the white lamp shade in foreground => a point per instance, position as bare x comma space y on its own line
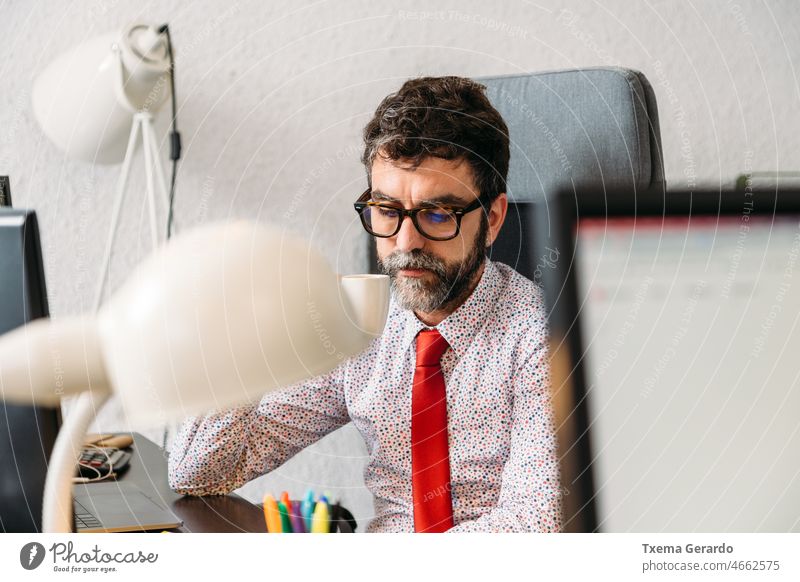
215, 318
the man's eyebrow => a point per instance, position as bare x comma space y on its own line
447, 199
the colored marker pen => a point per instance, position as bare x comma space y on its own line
286, 524
307, 509
271, 514
286, 500
298, 523
319, 522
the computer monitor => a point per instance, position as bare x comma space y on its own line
27, 434
675, 343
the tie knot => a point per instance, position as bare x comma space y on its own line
430, 347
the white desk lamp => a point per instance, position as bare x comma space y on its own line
215, 318
94, 102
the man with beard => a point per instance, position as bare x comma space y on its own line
453, 398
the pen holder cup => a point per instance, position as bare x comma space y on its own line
341, 519
344, 522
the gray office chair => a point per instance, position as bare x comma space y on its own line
583, 127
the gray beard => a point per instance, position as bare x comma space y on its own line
451, 283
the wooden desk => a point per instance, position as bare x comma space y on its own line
221, 513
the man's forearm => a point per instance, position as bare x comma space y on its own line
207, 455
215, 454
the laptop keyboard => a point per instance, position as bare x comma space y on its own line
83, 518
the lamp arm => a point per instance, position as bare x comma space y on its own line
57, 510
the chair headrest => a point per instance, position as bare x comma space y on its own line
587, 126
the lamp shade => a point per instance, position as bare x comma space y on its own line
85, 98
215, 318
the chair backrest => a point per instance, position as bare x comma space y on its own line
581, 127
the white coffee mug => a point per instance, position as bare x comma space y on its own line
368, 296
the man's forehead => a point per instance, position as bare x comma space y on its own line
429, 163
450, 175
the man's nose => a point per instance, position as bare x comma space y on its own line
408, 237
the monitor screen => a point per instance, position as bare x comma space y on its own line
691, 328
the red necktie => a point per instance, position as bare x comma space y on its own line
430, 455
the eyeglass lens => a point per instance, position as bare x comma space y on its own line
432, 222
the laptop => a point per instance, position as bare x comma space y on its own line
674, 334
119, 507
28, 434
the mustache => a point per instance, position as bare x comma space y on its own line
416, 259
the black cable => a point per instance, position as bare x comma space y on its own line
174, 136
174, 154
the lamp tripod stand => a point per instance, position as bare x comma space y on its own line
154, 174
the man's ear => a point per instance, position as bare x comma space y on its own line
497, 215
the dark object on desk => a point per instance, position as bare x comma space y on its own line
101, 462
5, 192
104, 456
27, 434
342, 521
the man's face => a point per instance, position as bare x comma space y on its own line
433, 276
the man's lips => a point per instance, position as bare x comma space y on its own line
412, 272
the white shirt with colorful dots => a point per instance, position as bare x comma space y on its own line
503, 464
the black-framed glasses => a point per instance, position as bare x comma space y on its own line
437, 222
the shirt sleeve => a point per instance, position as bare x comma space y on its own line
529, 499
217, 453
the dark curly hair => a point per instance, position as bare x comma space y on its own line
445, 117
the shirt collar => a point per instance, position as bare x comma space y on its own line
460, 327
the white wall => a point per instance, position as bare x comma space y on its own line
273, 96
